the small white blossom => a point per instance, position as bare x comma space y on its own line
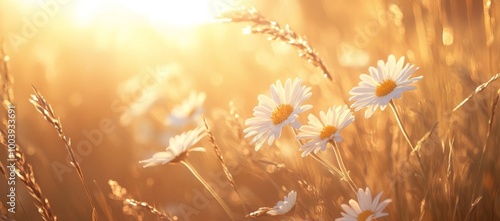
284, 206
277, 111
190, 110
178, 149
386, 82
320, 133
364, 209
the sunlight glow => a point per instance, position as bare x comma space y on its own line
169, 12
173, 12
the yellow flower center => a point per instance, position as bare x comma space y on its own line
364, 215
385, 88
281, 113
327, 132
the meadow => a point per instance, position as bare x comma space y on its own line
207, 110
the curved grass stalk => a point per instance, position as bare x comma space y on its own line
212, 191
225, 168
46, 110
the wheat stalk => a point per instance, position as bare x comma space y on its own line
209, 188
121, 194
237, 125
494, 105
48, 113
25, 173
24, 170
220, 158
478, 89
271, 28
424, 139
7, 80
4, 172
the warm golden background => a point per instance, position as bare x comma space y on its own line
90, 60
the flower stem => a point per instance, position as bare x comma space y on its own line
324, 162
212, 191
345, 172
330, 167
400, 124
327, 164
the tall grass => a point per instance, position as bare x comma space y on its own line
46, 110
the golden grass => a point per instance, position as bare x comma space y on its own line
220, 158
477, 91
120, 193
27, 176
263, 25
46, 110
23, 169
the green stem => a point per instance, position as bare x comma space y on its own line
342, 166
400, 124
405, 134
212, 191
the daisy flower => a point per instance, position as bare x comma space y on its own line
178, 149
320, 133
386, 82
277, 111
365, 209
284, 206
188, 111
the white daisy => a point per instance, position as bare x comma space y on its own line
320, 133
284, 206
386, 82
178, 149
277, 111
365, 209
188, 111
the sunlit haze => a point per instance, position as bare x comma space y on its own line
251, 110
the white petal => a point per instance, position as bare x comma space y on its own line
198, 149
355, 206
349, 210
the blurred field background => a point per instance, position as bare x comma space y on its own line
93, 62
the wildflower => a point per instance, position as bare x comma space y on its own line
188, 111
277, 111
320, 133
284, 206
365, 209
178, 149
386, 82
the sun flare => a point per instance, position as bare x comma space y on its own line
171, 13
177, 13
